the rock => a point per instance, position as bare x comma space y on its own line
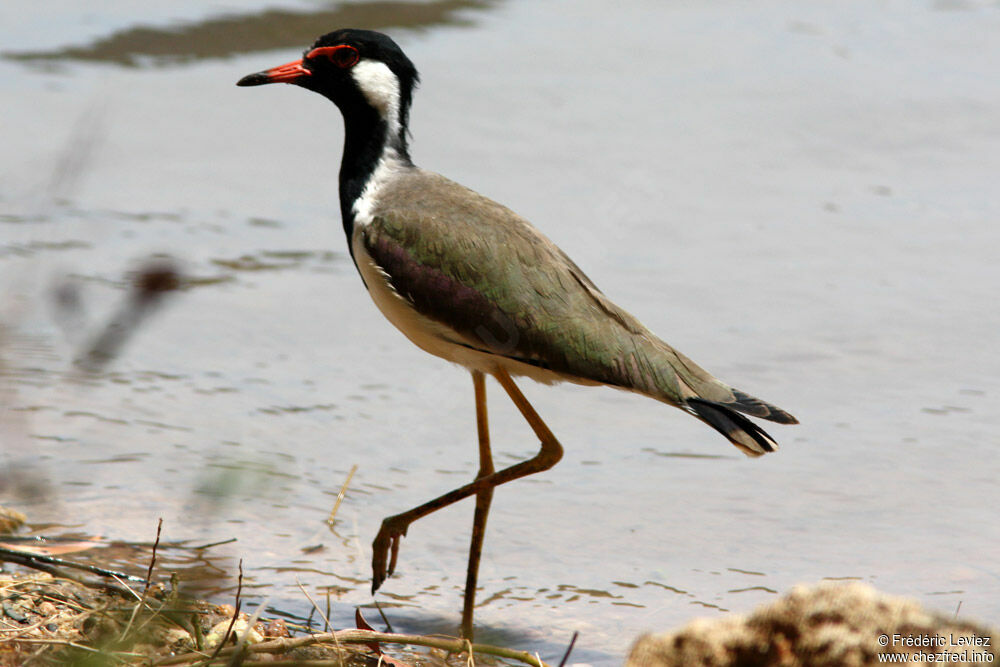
218, 633
10, 520
161, 640
827, 625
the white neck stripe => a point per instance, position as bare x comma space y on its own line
380, 86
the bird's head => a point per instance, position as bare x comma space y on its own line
359, 70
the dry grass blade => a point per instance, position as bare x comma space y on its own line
21, 632
340, 496
325, 617
239, 651
63, 642
469, 660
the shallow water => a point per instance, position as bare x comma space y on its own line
797, 195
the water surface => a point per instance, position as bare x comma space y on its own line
797, 195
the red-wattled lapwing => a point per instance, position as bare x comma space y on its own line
470, 281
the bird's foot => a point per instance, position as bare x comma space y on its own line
385, 551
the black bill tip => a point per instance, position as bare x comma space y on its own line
292, 72
255, 79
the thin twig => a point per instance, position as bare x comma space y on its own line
340, 496
385, 619
326, 626
66, 642
152, 559
149, 578
451, 645
232, 621
569, 649
213, 544
37, 561
64, 600
305, 663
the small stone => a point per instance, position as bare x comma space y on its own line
14, 611
10, 520
217, 634
277, 628
46, 608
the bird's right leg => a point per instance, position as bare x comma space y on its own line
483, 500
385, 548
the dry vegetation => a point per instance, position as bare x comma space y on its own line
57, 617
51, 620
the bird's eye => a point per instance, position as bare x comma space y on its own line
342, 56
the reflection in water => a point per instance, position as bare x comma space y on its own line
753, 588
272, 29
685, 455
201, 571
274, 260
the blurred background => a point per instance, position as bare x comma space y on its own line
798, 195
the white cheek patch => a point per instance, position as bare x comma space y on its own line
380, 87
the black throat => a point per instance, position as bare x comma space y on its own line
367, 139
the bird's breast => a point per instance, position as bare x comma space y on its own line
426, 333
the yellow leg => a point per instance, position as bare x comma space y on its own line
483, 499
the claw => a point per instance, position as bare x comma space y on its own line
385, 547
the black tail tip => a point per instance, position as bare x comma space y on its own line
749, 438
